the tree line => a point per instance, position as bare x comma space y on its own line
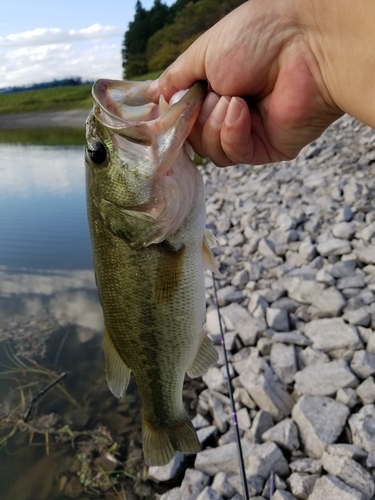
156, 37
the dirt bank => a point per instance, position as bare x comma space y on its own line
45, 119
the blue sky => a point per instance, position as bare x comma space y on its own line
45, 39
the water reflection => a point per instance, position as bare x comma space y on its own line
80, 441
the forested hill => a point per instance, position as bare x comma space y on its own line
157, 36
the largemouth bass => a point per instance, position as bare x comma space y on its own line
146, 211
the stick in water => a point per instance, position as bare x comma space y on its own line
230, 388
41, 394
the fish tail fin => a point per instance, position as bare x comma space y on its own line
161, 443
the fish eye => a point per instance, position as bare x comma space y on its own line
97, 153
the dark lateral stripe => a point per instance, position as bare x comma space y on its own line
169, 271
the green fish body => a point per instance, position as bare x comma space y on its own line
146, 211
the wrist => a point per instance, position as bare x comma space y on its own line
341, 36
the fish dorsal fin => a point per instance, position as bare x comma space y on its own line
208, 258
118, 373
163, 105
206, 356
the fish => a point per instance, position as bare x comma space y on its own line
146, 213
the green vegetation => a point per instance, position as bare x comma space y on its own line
59, 136
158, 36
54, 98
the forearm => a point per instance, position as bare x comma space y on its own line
341, 35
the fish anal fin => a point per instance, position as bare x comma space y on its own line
161, 443
118, 373
206, 356
208, 258
169, 271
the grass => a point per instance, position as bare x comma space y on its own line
51, 99
55, 98
60, 136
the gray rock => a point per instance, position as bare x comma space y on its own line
344, 214
304, 291
212, 322
234, 315
332, 334
218, 412
311, 356
363, 364
250, 330
243, 419
209, 494
362, 426
284, 434
324, 379
215, 380
366, 391
308, 465
323, 276
264, 388
343, 230
171, 471
261, 423
286, 222
276, 483
349, 471
283, 362
330, 487
272, 294
295, 338
277, 319
254, 484
283, 495
365, 253
241, 278
328, 304
174, 494
307, 250
264, 459
222, 486
266, 248
193, 483
342, 268
242, 396
355, 280
223, 458
257, 302
346, 450
199, 421
302, 484
207, 434
348, 397
286, 303
359, 317
320, 421
334, 246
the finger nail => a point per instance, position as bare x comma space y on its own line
153, 88
207, 107
234, 111
218, 114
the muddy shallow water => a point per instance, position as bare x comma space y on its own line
79, 441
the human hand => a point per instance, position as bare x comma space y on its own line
268, 99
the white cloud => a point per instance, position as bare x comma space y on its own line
47, 36
46, 54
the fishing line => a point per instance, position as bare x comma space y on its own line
230, 389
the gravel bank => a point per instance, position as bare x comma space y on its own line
296, 247
45, 119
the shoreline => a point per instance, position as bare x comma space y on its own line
74, 118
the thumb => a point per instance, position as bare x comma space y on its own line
182, 73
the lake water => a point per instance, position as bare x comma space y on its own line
79, 441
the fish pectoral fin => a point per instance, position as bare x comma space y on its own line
118, 373
161, 443
208, 258
206, 356
135, 228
